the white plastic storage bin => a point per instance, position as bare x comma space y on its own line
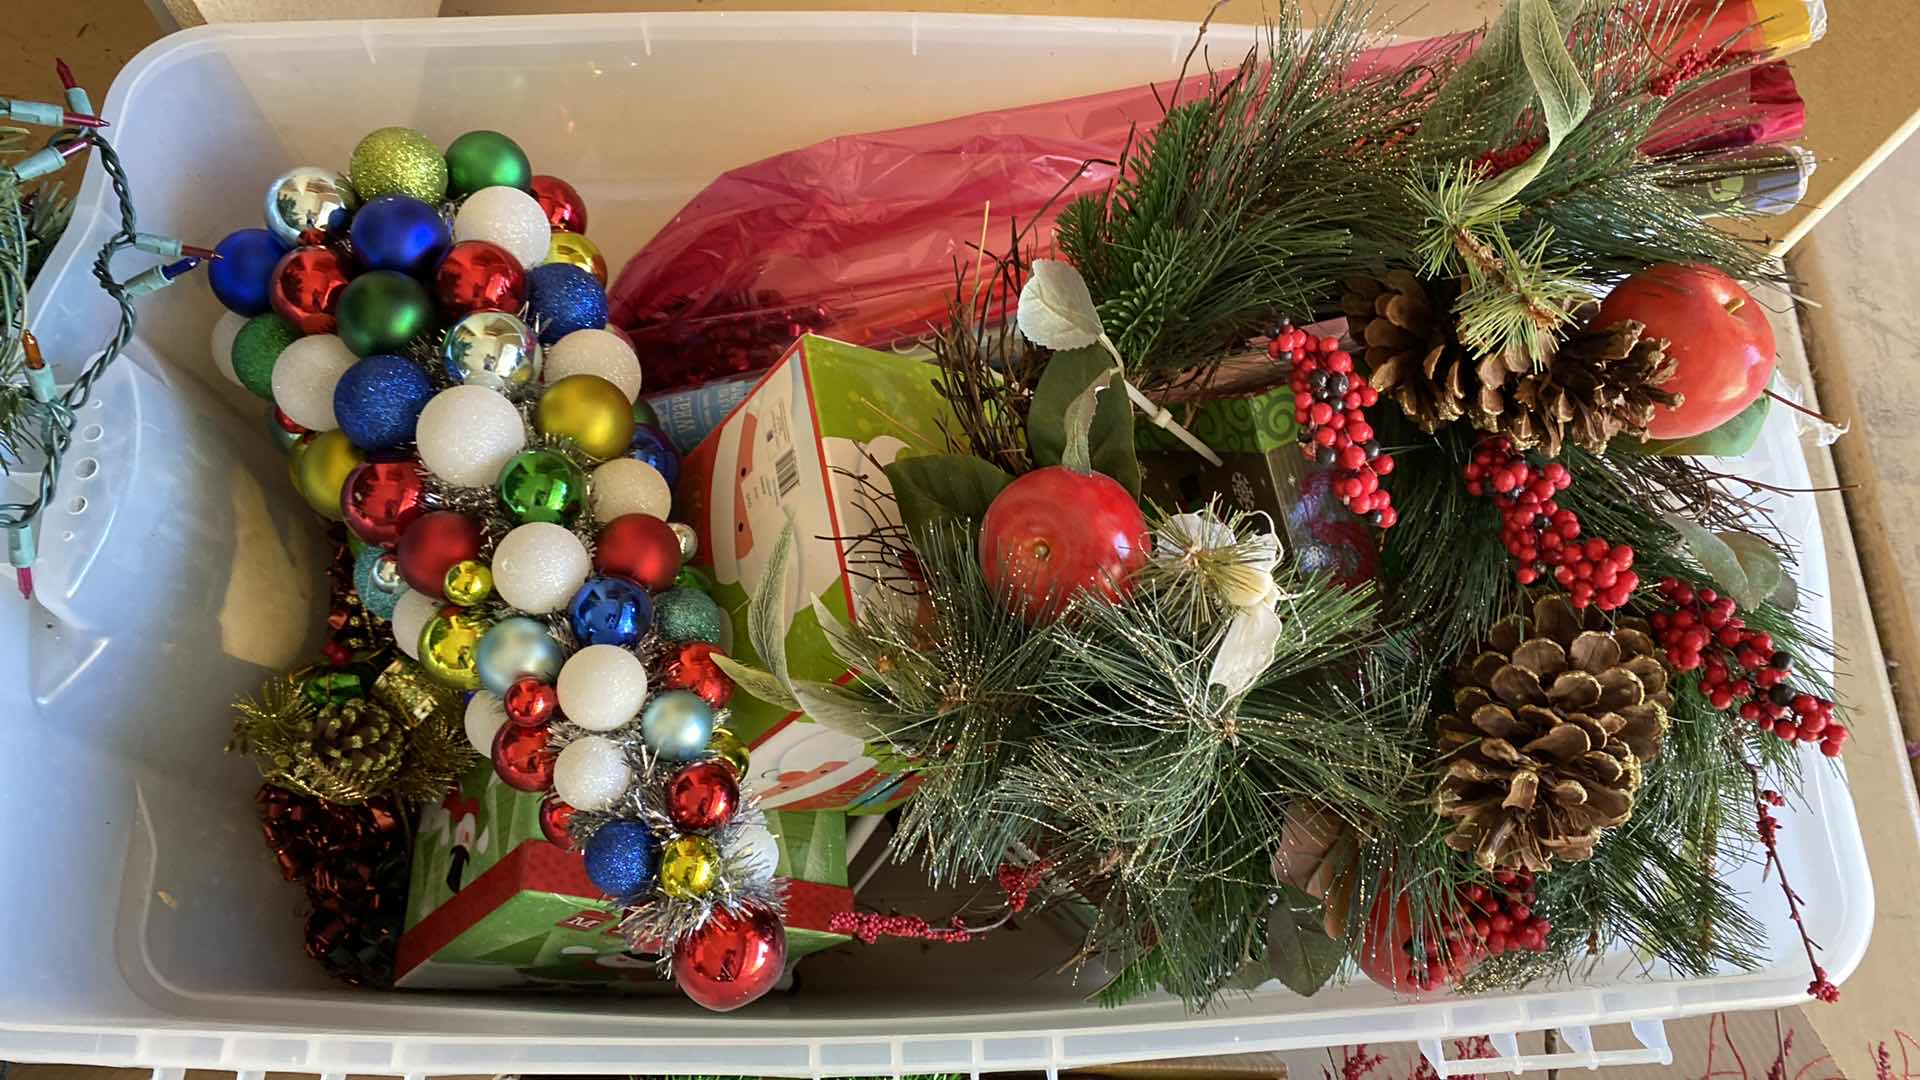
144, 921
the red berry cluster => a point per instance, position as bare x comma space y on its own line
1488, 921
1328, 396
1738, 663
1544, 538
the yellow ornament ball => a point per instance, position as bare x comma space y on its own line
575, 250
450, 648
320, 470
398, 161
589, 410
730, 749
689, 865
468, 582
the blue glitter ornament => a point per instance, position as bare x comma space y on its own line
685, 615
652, 446
610, 611
377, 581
378, 400
398, 232
241, 273
677, 725
515, 648
622, 859
563, 298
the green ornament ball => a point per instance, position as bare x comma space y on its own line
542, 485
643, 414
398, 161
684, 615
256, 348
692, 577
481, 159
383, 310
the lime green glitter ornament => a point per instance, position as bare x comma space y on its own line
398, 161
481, 159
255, 349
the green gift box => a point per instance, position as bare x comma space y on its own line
491, 904
1241, 425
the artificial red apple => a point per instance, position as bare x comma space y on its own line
1055, 532
1715, 331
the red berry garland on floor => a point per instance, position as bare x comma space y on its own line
1328, 396
1739, 664
1542, 536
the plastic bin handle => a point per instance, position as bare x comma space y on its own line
1653, 1050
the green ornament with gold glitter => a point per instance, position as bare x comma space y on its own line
398, 161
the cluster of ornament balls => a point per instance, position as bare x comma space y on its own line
1328, 399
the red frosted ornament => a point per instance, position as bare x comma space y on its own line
305, 288
566, 211
476, 275
732, 960
381, 498
640, 548
1055, 532
692, 668
556, 823
522, 759
703, 796
432, 544
530, 702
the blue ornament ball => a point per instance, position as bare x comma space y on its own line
563, 298
514, 648
622, 859
652, 446
685, 615
677, 725
610, 611
399, 232
378, 400
377, 581
241, 274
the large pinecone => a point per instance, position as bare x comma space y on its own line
351, 749
1412, 354
1551, 725
1602, 381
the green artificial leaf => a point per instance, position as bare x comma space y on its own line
1299, 952
833, 706
1714, 556
767, 612
1761, 564
1563, 96
1068, 376
760, 684
1056, 310
937, 488
1491, 89
1731, 439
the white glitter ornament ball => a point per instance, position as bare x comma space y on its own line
602, 687
539, 566
760, 852
224, 331
508, 217
304, 378
485, 714
467, 434
595, 352
626, 486
410, 616
591, 773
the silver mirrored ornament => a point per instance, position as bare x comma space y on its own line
492, 349
309, 199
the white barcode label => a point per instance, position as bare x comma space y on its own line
786, 473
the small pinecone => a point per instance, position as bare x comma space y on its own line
1411, 352
1601, 381
1551, 725
352, 748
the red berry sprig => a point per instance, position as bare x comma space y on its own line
1544, 538
1737, 663
1485, 921
1328, 396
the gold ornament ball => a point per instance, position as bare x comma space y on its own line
450, 648
398, 161
320, 470
575, 250
689, 865
468, 582
589, 410
728, 747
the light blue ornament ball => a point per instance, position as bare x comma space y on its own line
564, 298
684, 615
677, 725
622, 859
515, 648
378, 401
376, 578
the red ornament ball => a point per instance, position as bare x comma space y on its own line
286, 422
732, 960
556, 823
522, 759
703, 796
305, 288
566, 211
476, 275
381, 498
432, 544
530, 702
692, 668
640, 548
1055, 532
